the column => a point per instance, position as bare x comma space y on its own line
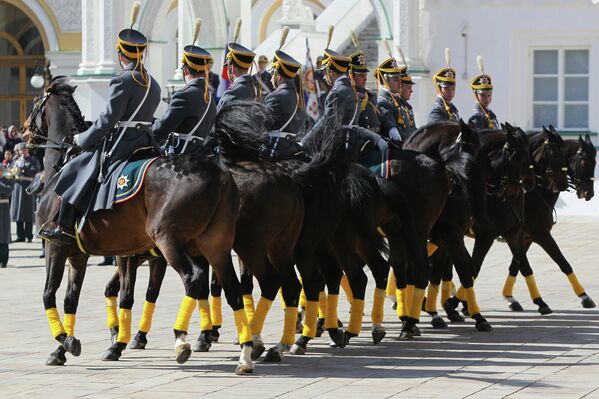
89, 29
109, 19
406, 22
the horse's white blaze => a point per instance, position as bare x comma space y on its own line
245, 358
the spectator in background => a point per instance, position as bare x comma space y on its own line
13, 138
3, 134
5, 191
263, 77
7, 158
21, 206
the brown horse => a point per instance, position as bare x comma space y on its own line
187, 207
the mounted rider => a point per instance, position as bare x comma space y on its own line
443, 109
407, 84
388, 76
482, 88
192, 111
88, 182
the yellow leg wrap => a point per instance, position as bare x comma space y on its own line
205, 319
216, 310
54, 321
248, 305
302, 299
578, 288
461, 294
188, 304
346, 288
391, 286
322, 305
431, 298
430, 248
416, 303
473, 307
243, 327
508, 286
310, 317
257, 322
289, 325
69, 324
145, 323
283, 304
378, 306
357, 314
112, 320
409, 293
532, 287
445, 291
402, 304
331, 317
124, 326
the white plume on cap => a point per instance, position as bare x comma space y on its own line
284, 33
448, 56
354, 39
479, 62
134, 12
331, 29
387, 48
237, 29
196, 30
400, 52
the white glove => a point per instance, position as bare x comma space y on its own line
394, 134
76, 139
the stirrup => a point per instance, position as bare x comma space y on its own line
52, 232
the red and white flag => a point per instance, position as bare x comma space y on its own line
311, 89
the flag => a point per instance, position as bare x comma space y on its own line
311, 89
224, 81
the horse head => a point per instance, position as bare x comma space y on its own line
527, 173
581, 168
548, 161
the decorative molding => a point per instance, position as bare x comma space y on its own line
68, 14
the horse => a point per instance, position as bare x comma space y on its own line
200, 222
507, 217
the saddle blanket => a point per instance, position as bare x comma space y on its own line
132, 179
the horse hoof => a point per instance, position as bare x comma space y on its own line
405, 335
138, 342
338, 336
516, 307
377, 335
483, 326
114, 334
273, 356
57, 358
183, 352
545, 310
438, 322
415, 331
111, 355
214, 334
201, 345
339, 323
72, 345
455, 317
241, 369
465, 310
257, 350
298, 350
588, 303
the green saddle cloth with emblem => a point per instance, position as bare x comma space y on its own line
131, 179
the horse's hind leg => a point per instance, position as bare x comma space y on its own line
111, 293
547, 242
127, 277
204, 342
332, 275
247, 288
77, 270
157, 270
55, 265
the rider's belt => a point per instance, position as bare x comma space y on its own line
139, 125
188, 137
4, 201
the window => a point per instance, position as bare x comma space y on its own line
561, 88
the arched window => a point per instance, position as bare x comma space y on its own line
21, 50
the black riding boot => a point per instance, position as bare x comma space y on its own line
65, 231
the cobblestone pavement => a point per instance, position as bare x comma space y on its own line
526, 355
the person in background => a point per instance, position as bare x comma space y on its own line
5, 191
21, 206
13, 138
7, 158
263, 77
3, 133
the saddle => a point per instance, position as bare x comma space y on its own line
280, 147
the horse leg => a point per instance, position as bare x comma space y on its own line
203, 342
508, 287
332, 276
517, 244
433, 291
464, 266
111, 293
127, 276
247, 288
547, 242
441, 262
216, 307
157, 268
77, 270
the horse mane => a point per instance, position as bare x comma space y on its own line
64, 91
421, 131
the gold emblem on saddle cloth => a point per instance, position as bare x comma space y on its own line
122, 182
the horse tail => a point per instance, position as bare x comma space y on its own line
467, 175
240, 129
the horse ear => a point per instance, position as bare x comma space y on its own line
587, 139
580, 140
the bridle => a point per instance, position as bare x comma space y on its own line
577, 179
499, 189
546, 177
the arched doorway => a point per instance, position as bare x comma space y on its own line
21, 50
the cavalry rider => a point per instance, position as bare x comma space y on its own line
239, 61
263, 77
88, 182
192, 111
388, 75
445, 81
358, 71
482, 87
407, 88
